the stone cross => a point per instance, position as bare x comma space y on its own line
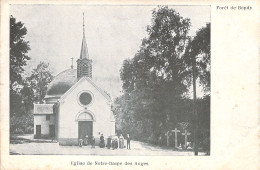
176, 136
186, 135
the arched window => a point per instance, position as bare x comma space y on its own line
85, 115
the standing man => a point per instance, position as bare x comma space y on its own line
93, 142
128, 141
102, 141
85, 141
109, 142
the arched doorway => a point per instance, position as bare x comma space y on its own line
85, 124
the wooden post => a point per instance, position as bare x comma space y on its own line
40, 84
167, 134
176, 136
186, 135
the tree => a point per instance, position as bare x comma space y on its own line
22, 101
40, 78
19, 48
157, 78
153, 80
33, 89
18, 58
160, 54
197, 60
165, 45
198, 49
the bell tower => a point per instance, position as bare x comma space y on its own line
84, 64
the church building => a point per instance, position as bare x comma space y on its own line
74, 106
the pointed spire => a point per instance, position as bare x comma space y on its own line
84, 49
84, 64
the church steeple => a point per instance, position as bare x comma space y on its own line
84, 64
84, 49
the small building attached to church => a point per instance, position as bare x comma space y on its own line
75, 106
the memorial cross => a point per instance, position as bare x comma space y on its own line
186, 135
176, 136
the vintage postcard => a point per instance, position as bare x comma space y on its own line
129, 85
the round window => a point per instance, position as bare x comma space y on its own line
85, 98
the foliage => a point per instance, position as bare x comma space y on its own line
155, 81
199, 47
24, 90
203, 109
159, 58
21, 124
152, 80
22, 101
18, 59
40, 78
18, 52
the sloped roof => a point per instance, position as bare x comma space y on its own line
62, 83
65, 80
43, 109
91, 82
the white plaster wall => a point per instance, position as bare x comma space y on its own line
41, 120
113, 128
69, 108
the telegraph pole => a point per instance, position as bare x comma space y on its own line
195, 114
40, 84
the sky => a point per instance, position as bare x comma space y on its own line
113, 33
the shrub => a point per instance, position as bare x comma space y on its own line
21, 124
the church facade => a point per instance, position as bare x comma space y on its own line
75, 107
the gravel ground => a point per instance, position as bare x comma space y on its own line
137, 148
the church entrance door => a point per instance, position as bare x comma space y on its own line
85, 128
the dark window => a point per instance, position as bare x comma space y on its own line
85, 98
38, 131
48, 117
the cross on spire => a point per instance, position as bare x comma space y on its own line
71, 62
83, 24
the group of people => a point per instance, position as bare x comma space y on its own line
116, 142
87, 141
112, 142
187, 147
